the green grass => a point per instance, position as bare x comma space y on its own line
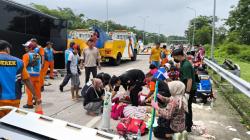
244, 67
221, 54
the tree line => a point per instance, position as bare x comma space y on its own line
80, 21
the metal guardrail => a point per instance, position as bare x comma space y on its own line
237, 82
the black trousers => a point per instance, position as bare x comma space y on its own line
89, 70
189, 115
65, 80
134, 95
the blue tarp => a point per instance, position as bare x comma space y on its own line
103, 37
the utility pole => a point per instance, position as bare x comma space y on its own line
107, 8
213, 33
144, 27
194, 24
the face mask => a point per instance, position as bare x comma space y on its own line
176, 61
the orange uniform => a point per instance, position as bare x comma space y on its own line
11, 68
42, 74
35, 80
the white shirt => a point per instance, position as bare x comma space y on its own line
74, 58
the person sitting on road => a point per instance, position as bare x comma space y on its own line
162, 88
93, 94
153, 68
173, 73
174, 112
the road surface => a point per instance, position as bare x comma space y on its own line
221, 121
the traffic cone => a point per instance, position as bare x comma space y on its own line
39, 109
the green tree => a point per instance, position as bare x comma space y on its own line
239, 21
79, 21
203, 30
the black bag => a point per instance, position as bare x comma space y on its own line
85, 89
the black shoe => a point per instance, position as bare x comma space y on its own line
61, 88
42, 88
28, 106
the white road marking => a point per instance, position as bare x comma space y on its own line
92, 122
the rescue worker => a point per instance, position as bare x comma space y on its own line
39, 49
49, 59
68, 75
12, 73
32, 61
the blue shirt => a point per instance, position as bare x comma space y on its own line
49, 56
34, 66
67, 53
10, 79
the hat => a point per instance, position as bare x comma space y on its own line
33, 39
76, 47
167, 65
49, 43
26, 44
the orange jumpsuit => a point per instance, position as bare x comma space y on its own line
49, 62
35, 80
42, 74
14, 102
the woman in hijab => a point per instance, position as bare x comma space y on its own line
174, 112
93, 97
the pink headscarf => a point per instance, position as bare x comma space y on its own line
97, 83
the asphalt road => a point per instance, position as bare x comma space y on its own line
221, 121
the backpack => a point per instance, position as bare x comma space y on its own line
85, 89
131, 125
117, 111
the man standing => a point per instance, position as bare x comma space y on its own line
68, 75
74, 71
49, 59
187, 76
12, 73
32, 61
91, 60
39, 49
155, 56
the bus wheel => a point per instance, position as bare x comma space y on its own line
117, 61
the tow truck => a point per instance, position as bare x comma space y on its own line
123, 45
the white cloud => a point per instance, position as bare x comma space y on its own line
172, 14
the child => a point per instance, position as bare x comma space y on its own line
173, 73
174, 112
153, 69
73, 69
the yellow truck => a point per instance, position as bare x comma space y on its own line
80, 37
116, 46
121, 46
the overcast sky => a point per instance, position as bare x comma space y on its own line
172, 15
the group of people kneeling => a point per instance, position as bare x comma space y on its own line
171, 104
